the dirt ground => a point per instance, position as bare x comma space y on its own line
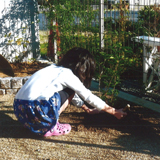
96, 137
23, 69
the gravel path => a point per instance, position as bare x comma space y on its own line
98, 137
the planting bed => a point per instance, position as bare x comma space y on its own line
24, 69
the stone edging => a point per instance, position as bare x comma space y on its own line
11, 85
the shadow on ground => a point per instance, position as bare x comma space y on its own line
138, 132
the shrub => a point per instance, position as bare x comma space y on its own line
149, 17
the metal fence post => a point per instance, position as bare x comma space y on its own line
101, 19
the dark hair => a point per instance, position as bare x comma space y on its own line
81, 62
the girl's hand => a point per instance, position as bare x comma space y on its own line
119, 113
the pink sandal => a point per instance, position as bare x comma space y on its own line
59, 129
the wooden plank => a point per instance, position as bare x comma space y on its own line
139, 101
131, 98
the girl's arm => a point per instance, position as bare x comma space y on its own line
89, 110
118, 113
73, 82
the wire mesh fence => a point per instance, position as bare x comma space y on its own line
110, 27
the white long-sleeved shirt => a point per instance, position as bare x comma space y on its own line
45, 82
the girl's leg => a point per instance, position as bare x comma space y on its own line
65, 104
66, 97
61, 129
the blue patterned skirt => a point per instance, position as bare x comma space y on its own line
38, 116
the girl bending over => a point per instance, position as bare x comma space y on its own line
47, 93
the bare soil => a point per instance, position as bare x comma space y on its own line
24, 69
96, 137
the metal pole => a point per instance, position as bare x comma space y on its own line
101, 19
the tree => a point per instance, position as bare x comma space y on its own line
68, 16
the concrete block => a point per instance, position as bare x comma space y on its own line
2, 92
5, 83
16, 82
11, 91
25, 79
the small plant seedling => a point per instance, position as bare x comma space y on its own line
126, 108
